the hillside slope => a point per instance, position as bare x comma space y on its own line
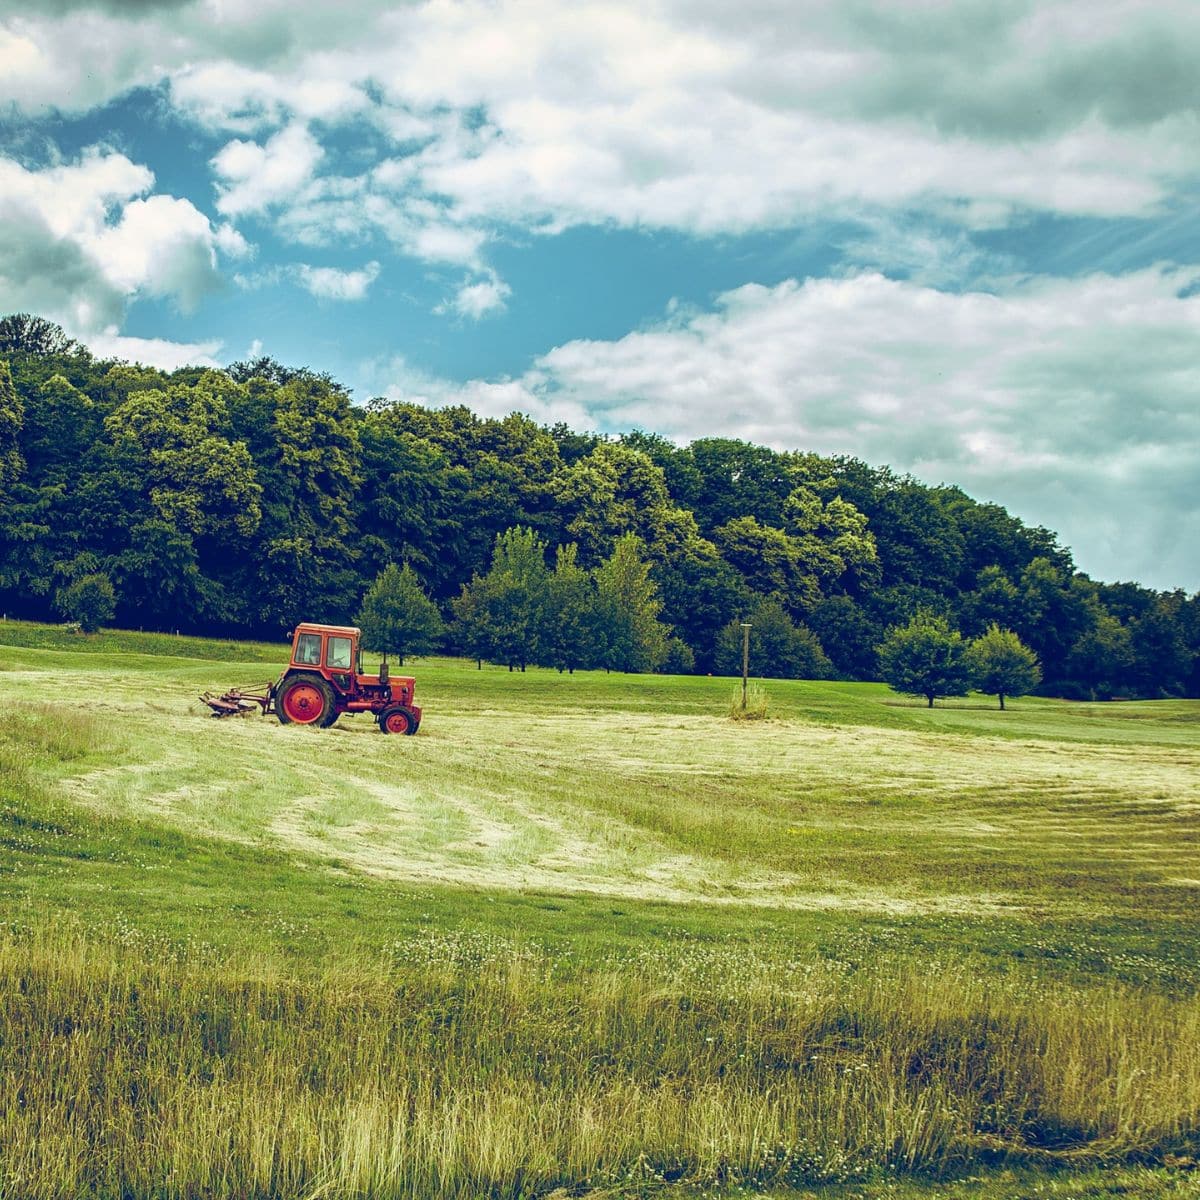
586, 932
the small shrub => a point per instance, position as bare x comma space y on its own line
779, 648
88, 602
680, 660
756, 704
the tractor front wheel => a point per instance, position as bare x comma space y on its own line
306, 700
397, 720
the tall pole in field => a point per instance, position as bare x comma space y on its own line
745, 659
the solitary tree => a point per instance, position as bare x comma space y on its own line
925, 658
1002, 665
89, 600
397, 617
470, 630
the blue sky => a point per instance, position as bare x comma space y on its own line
956, 238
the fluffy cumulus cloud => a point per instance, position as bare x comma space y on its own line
329, 283
1071, 402
478, 298
723, 118
79, 240
252, 178
222, 94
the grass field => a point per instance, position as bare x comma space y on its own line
586, 933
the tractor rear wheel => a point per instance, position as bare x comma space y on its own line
397, 720
306, 700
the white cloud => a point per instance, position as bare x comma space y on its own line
478, 299
73, 61
685, 114
1071, 402
328, 283
228, 95
434, 240
22, 58
347, 210
232, 244
253, 177
162, 246
917, 251
325, 283
79, 240
714, 119
153, 352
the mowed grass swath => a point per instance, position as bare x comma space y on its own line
584, 933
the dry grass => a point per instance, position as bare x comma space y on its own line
466, 1070
809, 816
755, 706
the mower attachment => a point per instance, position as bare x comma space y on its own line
238, 703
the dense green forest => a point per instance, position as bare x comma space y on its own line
248, 499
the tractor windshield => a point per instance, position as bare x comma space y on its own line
338, 653
308, 649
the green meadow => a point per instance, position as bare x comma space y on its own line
584, 933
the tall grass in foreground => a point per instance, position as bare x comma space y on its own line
135, 1074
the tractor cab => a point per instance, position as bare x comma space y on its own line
332, 650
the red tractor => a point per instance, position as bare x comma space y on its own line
325, 679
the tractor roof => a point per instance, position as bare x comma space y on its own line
344, 630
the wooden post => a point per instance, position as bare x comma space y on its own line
745, 659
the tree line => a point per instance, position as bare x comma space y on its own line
246, 500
